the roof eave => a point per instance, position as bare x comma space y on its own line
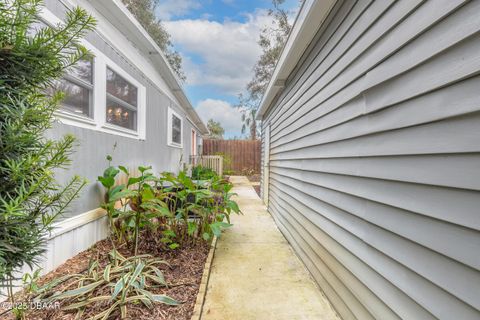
115, 8
309, 19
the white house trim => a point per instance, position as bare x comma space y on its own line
169, 129
193, 142
77, 221
310, 18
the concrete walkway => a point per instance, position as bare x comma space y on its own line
255, 274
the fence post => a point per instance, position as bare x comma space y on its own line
220, 166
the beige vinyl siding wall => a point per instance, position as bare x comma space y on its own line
375, 159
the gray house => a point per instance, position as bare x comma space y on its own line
371, 155
126, 96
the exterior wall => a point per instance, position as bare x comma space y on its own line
93, 146
375, 159
85, 223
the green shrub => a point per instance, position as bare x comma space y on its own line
203, 173
30, 197
112, 287
171, 210
126, 280
228, 172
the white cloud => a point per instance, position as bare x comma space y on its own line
227, 50
166, 9
229, 117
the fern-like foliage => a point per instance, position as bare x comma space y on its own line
30, 60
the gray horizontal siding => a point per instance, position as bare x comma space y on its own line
375, 159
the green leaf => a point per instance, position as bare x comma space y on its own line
206, 236
119, 287
106, 273
124, 170
192, 227
147, 194
117, 255
115, 189
78, 292
123, 194
169, 233
173, 246
165, 299
136, 273
134, 180
143, 169
215, 230
107, 182
159, 275
56, 282
131, 222
146, 302
111, 172
233, 206
218, 226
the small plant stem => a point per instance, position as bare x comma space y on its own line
10, 290
137, 223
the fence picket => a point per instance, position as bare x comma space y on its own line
243, 154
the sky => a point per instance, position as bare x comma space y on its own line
218, 43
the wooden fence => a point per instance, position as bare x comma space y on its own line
213, 162
240, 156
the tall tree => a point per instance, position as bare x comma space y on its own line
30, 197
272, 40
144, 12
216, 129
248, 108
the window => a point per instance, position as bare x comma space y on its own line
99, 94
77, 85
122, 101
175, 130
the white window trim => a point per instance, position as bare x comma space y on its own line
193, 143
169, 129
98, 121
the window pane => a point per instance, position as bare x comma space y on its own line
121, 116
77, 98
176, 129
82, 70
121, 88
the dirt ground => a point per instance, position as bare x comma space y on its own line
184, 277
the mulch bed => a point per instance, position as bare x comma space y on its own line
184, 277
